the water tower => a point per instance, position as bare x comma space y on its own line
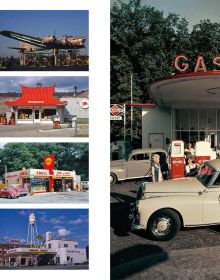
32, 231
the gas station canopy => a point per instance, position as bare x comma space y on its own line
201, 89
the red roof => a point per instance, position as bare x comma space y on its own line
36, 96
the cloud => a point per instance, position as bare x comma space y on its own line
78, 221
57, 227
55, 221
22, 213
63, 232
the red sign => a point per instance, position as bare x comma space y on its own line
181, 63
49, 162
116, 110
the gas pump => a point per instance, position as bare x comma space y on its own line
203, 152
177, 159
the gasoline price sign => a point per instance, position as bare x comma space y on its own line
116, 112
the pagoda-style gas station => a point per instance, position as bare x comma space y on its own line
37, 105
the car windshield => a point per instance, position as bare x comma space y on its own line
205, 175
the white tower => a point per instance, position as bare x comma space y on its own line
32, 231
48, 235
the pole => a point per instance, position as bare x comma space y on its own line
6, 171
131, 107
124, 121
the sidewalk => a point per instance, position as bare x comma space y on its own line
42, 130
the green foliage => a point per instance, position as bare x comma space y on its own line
144, 43
68, 156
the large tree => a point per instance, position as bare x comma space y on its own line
143, 44
68, 156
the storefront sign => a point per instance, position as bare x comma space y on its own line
39, 173
181, 63
24, 173
58, 173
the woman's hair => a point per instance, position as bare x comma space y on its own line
155, 156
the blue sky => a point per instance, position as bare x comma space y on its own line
42, 24
192, 10
70, 224
63, 84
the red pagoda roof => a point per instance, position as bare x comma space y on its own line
36, 96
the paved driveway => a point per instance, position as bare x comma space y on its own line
60, 197
39, 130
193, 254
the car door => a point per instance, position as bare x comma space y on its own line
138, 165
2, 193
211, 206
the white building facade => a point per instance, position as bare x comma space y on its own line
67, 251
187, 107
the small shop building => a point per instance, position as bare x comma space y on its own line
30, 256
39, 180
186, 107
37, 105
67, 251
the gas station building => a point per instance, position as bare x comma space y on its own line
37, 105
186, 107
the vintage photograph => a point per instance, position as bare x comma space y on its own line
165, 139
44, 239
44, 40
44, 106
44, 173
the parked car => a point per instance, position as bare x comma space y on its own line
163, 208
9, 193
137, 165
85, 185
21, 190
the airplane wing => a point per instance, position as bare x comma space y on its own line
35, 41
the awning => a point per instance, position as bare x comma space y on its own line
193, 89
37, 96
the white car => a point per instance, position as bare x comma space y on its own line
137, 165
163, 208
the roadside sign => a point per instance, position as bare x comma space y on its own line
116, 112
116, 118
84, 103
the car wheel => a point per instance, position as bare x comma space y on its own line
8, 196
164, 225
113, 179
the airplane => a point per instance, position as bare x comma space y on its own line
49, 42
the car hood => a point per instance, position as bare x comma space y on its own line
185, 185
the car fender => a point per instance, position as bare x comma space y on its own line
119, 172
189, 207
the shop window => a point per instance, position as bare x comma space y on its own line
47, 114
193, 119
202, 119
184, 119
177, 120
218, 119
211, 121
25, 114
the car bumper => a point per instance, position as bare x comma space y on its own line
134, 218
